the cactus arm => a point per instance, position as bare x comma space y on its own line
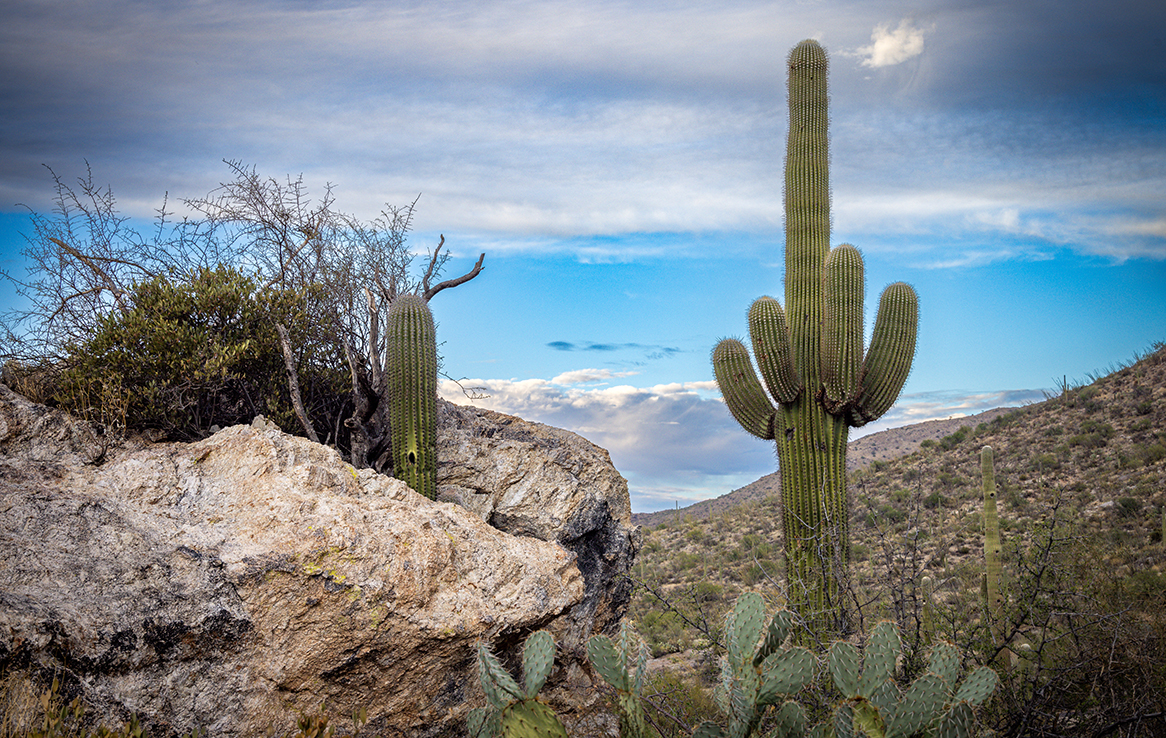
807, 203
892, 349
842, 327
411, 352
741, 389
771, 346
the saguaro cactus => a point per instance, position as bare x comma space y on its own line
991, 536
411, 348
811, 355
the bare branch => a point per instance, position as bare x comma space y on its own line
293, 382
429, 293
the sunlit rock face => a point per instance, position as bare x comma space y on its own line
230, 583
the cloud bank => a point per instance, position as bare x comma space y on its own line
531, 124
677, 443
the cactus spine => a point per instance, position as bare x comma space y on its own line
811, 357
411, 348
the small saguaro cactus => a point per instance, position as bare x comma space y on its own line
811, 357
992, 596
757, 671
873, 705
515, 711
411, 366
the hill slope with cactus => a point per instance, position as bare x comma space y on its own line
1097, 451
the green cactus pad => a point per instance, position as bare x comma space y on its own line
843, 661
879, 657
867, 719
708, 730
771, 347
530, 719
843, 722
945, 661
538, 658
499, 686
885, 697
790, 721
978, 686
956, 722
477, 724
607, 661
785, 672
743, 627
919, 705
775, 635
742, 390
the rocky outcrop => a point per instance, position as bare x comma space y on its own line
232, 582
532, 480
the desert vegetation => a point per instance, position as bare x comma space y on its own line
263, 301
1078, 639
1005, 579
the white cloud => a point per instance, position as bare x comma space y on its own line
677, 439
677, 442
889, 47
587, 376
923, 406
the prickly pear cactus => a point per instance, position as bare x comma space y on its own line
411, 348
623, 665
875, 707
810, 355
757, 672
514, 711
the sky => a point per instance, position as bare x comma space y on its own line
620, 165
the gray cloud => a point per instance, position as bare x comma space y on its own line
653, 351
533, 122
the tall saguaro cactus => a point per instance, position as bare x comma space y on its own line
411, 348
811, 355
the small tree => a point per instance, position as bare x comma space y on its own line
88, 268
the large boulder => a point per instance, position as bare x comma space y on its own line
233, 582
530, 479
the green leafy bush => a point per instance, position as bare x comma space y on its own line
196, 351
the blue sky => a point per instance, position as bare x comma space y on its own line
620, 164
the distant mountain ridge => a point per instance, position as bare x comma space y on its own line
881, 446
